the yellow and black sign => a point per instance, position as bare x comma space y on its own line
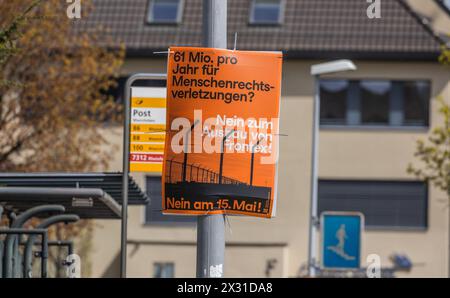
147, 129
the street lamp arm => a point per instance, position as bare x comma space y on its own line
332, 67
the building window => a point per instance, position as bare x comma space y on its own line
374, 103
165, 11
416, 95
385, 204
334, 111
266, 12
153, 211
163, 270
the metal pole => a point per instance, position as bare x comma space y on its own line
44, 256
126, 164
28, 250
170, 171
187, 140
222, 153
59, 243
211, 228
44, 244
12, 240
185, 158
313, 219
125, 178
252, 161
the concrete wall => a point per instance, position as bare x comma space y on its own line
344, 153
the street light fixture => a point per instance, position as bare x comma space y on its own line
332, 67
317, 70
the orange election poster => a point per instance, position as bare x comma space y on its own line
222, 132
147, 129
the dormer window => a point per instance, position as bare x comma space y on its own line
266, 12
165, 11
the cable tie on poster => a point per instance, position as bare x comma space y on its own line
163, 52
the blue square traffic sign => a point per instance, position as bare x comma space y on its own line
341, 239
